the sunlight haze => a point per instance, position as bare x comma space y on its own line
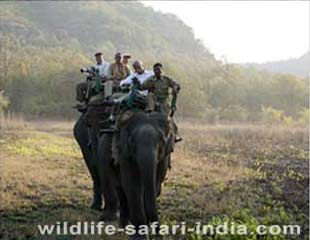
250, 31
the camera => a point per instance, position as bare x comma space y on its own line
87, 70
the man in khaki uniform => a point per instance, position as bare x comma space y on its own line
158, 87
118, 70
158, 93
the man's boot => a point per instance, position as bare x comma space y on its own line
178, 138
176, 133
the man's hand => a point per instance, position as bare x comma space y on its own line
103, 78
176, 89
135, 81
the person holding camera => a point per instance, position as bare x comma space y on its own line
101, 67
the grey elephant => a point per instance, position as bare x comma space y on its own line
86, 132
143, 157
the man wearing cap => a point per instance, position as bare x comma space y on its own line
118, 70
126, 57
103, 70
102, 66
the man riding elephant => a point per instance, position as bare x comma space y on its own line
157, 98
118, 70
102, 69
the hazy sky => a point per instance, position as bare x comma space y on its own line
251, 31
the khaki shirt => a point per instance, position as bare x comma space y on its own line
160, 87
118, 72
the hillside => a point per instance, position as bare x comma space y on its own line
44, 44
298, 66
112, 26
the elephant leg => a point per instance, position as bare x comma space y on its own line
162, 168
82, 137
131, 183
107, 178
124, 211
94, 166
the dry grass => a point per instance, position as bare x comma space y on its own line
12, 121
216, 171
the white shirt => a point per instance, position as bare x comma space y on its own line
141, 77
103, 69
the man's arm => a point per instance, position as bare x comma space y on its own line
128, 72
146, 85
174, 85
106, 70
110, 74
127, 80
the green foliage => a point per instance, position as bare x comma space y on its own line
303, 116
4, 102
42, 55
243, 225
275, 116
271, 115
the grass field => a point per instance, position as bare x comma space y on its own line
243, 174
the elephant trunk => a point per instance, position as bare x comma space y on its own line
147, 162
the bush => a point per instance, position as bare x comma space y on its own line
4, 102
271, 115
303, 116
234, 113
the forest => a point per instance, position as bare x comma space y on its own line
44, 44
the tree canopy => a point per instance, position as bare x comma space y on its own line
44, 44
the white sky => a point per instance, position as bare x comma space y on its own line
251, 31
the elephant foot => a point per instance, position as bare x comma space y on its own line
157, 237
109, 216
96, 204
158, 191
123, 222
89, 145
138, 237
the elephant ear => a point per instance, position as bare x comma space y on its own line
95, 115
162, 126
156, 119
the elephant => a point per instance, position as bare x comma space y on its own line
143, 158
109, 177
86, 132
